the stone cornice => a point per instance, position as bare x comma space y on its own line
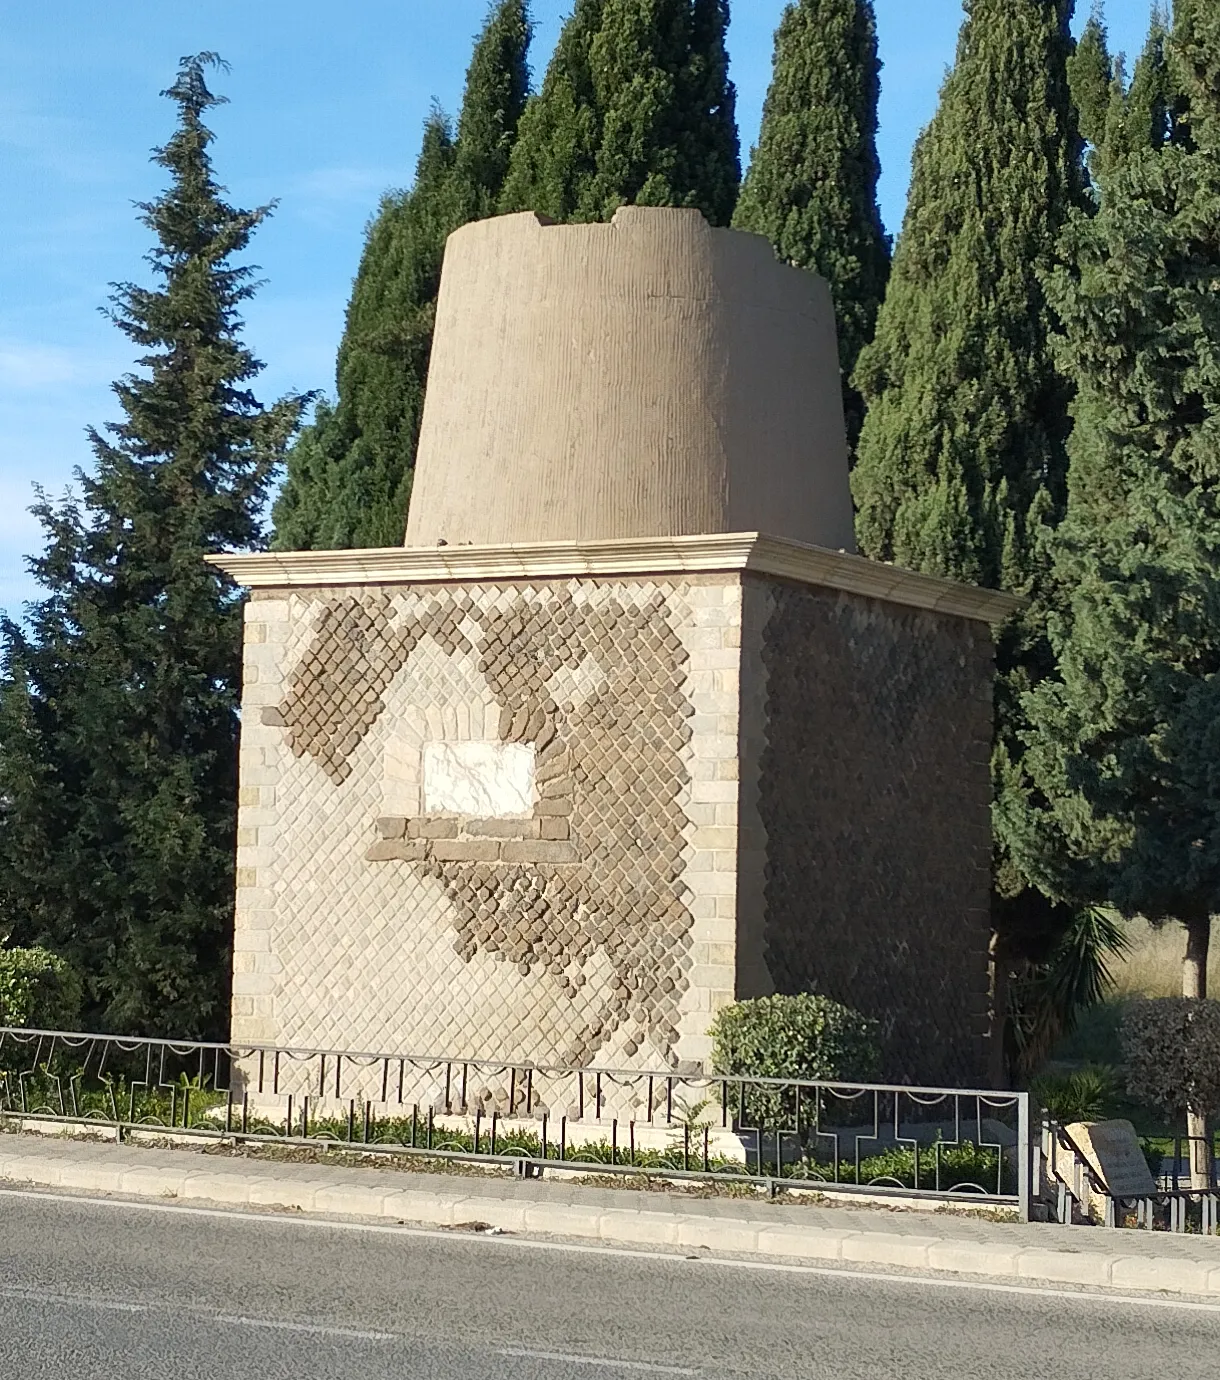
720, 552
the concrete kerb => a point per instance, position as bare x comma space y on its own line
995, 1251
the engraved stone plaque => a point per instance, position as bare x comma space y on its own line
1114, 1155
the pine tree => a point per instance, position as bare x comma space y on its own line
636, 109
812, 183
118, 704
1124, 741
349, 475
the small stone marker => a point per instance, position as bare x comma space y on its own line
1114, 1155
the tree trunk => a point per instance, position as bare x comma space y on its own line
1194, 985
1194, 965
997, 1064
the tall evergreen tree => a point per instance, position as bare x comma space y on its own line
118, 705
960, 470
1125, 740
1091, 74
1118, 117
962, 455
349, 475
636, 109
812, 183
1142, 114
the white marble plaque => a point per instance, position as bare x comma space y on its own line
1114, 1155
488, 780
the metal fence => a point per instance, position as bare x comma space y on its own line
948, 1144
1078, 1194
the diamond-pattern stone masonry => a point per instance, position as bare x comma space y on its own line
582, 932
874, 791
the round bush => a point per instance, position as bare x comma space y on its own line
38, 990
804, 1036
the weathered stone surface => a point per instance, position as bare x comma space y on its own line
694, 375
503, 828
751, 793
398, 850
874, 791
590, 679
465, 850
432, 828
1113, 1152
539, 851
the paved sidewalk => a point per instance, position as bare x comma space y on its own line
1091, 1256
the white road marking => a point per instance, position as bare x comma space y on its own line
509, 1241
72, 1301
574, 1359
117, 1306
316, 1329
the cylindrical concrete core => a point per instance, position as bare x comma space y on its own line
648, 378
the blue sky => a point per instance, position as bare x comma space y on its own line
327, 103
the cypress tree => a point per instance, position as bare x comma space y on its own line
1118, 117
960, 470
349, 475
1125, 797
1140, 115
812, 183
1091, 74
118, 703
962, 454
636, 109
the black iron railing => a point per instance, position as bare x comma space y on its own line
871, 1139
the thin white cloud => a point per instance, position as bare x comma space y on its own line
341, 185
25, 366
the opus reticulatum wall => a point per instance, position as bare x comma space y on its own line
565, 817
485, 818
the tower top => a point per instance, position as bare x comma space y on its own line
652, 377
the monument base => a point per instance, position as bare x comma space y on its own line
562, 803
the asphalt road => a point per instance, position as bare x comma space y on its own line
93, 1289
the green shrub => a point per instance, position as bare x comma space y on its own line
805, 1037
1086, 1095
1172, 1050
38, 989
940, 1167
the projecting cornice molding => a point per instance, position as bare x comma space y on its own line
697, 555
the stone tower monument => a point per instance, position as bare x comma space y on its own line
625, 731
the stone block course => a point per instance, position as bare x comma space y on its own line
465, 850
